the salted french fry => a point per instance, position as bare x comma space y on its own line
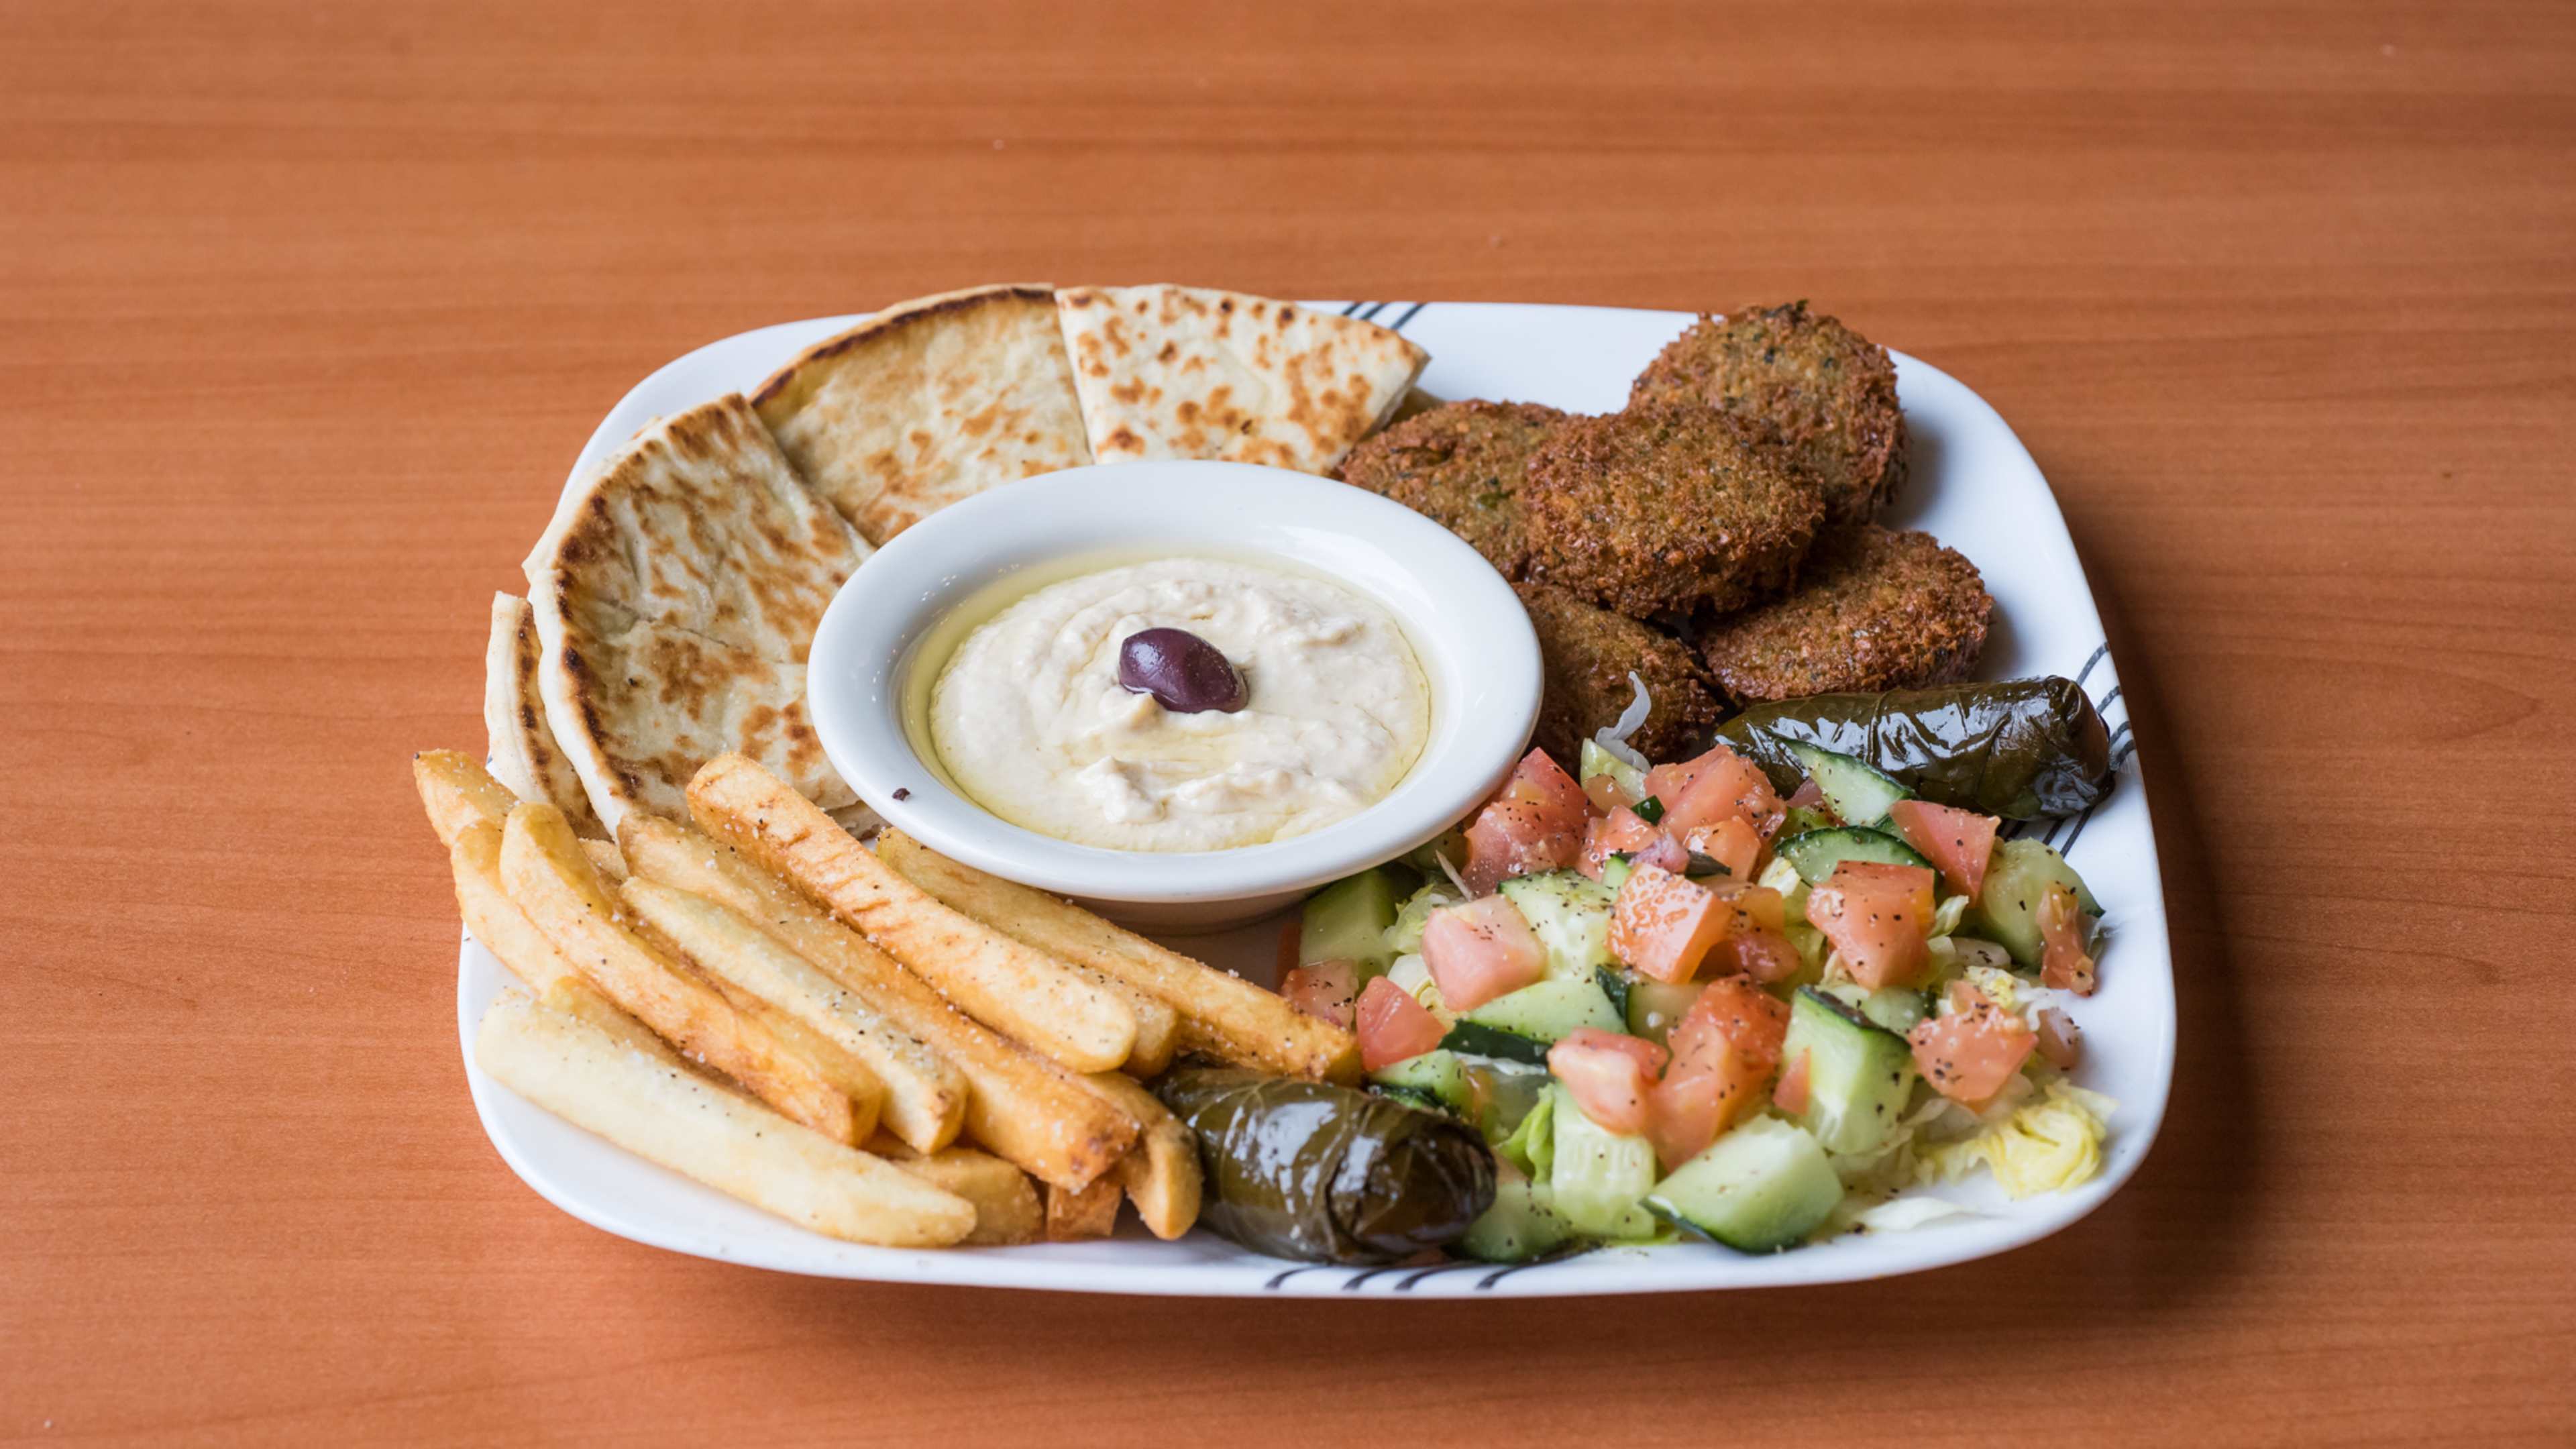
632, 1090
605, 859
1007, 1209
925, 1096
805, 1077
1221, 1014
1158, 1026
1162, 1175
474, 859
1020, 1107
457, 791
1073, 1217
995, 978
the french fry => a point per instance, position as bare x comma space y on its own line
1158, 1026
457, 791
807, 1079
1221, 1014
605, 859
1007, 1209
632, 1090
1072, 1217
474, 859
925, 1096
995, 978
1162, 1175
1020, 1107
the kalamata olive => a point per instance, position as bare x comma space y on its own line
1184, 673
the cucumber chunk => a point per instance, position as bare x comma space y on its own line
1656, 1007
2017, 880
1815, 854
1522, 1025
1859, 1074
1762, 1187
1615, 871
1412, 1097
1857, 791
1600, 1176
1614, 984
1593, 760
1522, 1224
1348, 921
1438, 1076
1801, 819
1570, 915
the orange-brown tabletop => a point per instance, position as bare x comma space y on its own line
305, 311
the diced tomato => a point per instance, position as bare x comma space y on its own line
1791, 1095
1808, 796
1957, 842
1608, 1074
1731, 843
2059, 1039
1721, 785
1756, 907
1664, 925
1735, 1012
1625, 830
1764, 955
1535, 822
1393, 1027
1879, 917
2064, 962
1326, 989
1724, 1048
1969, 1052
1481, 950
1606, 793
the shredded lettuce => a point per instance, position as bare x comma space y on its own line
1532, 1145
1613, 739
2046, 1144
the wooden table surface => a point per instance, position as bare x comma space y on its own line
304, 309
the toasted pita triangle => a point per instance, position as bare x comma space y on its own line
525, 756
928, 402
675, 597
1183, 372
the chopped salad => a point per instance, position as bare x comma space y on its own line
1676, 1001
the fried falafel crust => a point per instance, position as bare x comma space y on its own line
1461, 465
1823, 393
1872, 610
1587, 653
1666, 507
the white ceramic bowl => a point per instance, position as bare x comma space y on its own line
882, 640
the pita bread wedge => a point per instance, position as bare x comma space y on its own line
928, 402
1183, 372
675, 597
523, 751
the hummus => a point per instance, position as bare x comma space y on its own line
1029, 719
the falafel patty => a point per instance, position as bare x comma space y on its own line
1586, 655
1824, 393
1462, 465
1872, 610
1668, 506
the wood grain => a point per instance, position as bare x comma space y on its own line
305, 308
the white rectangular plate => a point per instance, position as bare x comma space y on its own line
1973, 486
